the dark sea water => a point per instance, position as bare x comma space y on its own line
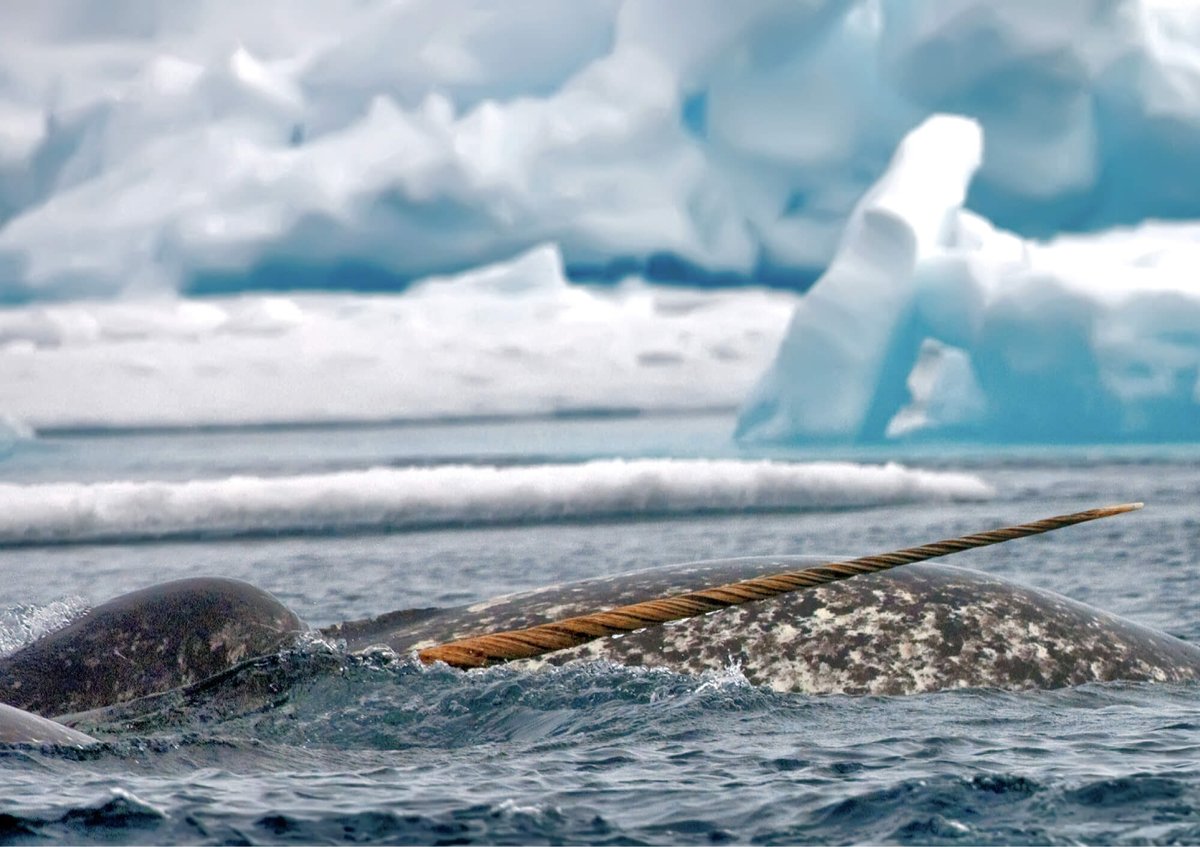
381, 750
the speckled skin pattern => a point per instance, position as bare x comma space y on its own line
918, 628
148, 641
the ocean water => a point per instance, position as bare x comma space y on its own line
381, 750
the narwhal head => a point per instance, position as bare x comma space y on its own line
146, 642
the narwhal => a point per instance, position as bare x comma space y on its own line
793, 623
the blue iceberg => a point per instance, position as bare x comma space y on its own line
166, 147
932, 323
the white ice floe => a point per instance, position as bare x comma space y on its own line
509, 339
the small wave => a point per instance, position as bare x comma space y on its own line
395, 499
121, 813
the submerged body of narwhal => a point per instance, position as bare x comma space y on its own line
919, 628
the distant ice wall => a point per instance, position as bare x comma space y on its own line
931, 323
151, 145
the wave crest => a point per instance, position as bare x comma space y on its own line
394, 499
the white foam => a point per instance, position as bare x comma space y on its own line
23, 624
386, 499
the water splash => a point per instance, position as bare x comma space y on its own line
24, 623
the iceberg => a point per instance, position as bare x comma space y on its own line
164, 147
932, 323
226, 216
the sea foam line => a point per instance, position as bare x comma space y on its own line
391, 499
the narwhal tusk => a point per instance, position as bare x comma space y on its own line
494, 648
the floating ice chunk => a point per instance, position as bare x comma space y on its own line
362, 145
854, 336
968, 331
944, 392
539, 270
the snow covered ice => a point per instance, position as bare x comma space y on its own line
1019, 271
511, 339
930, 322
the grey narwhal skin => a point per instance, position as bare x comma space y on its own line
915, 629
18, 727
150, 658
146, 642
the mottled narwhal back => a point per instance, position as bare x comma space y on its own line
918, 628
145, 642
